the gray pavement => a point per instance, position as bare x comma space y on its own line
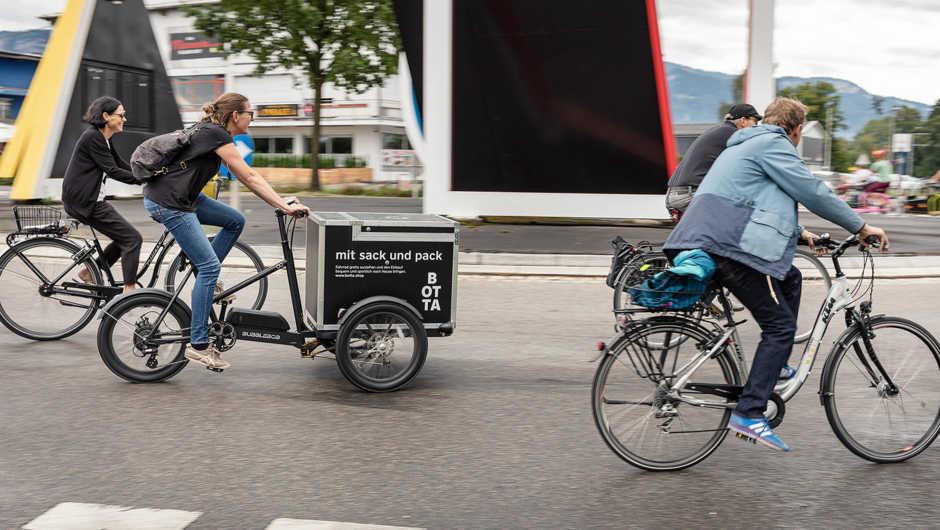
496, 432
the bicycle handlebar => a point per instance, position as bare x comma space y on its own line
291, 202
826, 242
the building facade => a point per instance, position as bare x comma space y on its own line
364, 129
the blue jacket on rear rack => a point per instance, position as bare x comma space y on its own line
745, 208
679, 287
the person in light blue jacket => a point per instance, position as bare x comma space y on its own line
744, 214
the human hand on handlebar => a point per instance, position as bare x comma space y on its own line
809, 237
294, 208
868, 231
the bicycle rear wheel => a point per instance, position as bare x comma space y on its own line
34, 308
634, 272
241, 263
871, 419
122, 338
639, 419
816, 283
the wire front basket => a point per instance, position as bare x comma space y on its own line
38, 219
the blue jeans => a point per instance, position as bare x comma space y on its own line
206, 257
774, 304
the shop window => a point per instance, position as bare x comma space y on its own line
332, 145
6, 109
280, 146
284, 146
395, 141
194, 91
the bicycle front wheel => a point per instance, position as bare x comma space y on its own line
640, 419
241, 263
873, 420
634, 272
381, 347
31, 305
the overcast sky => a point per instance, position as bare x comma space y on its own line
888, 48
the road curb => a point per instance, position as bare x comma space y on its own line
597, 266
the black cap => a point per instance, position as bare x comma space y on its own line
742, 110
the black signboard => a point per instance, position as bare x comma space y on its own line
418, 272
193, 46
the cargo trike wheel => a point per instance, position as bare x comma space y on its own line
381, 347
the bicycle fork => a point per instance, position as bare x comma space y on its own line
854, 318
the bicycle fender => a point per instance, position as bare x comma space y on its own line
374, 299
106, 310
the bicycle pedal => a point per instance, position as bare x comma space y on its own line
215, 369
746, 438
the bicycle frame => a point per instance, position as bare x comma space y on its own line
297, 338
838, 298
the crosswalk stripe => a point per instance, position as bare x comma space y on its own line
79, 516
309, 524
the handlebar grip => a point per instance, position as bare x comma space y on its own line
872, 240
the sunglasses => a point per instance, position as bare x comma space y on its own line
250, 113
121, 114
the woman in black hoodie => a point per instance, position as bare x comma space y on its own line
93, 161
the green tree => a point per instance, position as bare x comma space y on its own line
841, 157
927, 159
353, 44
876, 134
877, 104
737, 96
820, 98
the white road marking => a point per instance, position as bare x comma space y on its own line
78, 516
309, 524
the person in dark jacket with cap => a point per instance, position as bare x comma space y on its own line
702, 154
93, 161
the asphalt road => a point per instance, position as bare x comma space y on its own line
908, 234
496, 432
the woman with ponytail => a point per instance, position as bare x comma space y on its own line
176, 200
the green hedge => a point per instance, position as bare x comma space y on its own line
326, 162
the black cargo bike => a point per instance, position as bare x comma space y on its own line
375, 268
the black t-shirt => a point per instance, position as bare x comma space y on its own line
701, 155
180, 189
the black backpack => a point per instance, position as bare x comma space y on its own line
155, 156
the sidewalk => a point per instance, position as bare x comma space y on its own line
594, 266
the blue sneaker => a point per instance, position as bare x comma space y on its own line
787, 373
756, 431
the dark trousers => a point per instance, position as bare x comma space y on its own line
774, 304
125, 239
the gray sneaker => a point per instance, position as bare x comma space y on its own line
208, 357
219, 287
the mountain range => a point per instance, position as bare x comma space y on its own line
696, 95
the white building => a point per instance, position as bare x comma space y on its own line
367, 126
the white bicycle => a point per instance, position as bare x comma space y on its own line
667, 385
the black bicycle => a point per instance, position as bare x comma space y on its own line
380, 345
43, 299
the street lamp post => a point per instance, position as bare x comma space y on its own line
891, 119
